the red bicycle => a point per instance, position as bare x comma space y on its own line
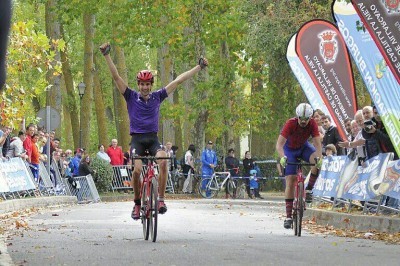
149, 195
299, 205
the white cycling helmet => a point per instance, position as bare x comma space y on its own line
304, 110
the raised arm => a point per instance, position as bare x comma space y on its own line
121, 84
186, 75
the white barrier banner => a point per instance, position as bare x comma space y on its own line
3, 183
390, 185
328, 180
16, 175
365, 183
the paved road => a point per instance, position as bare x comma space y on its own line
197, 232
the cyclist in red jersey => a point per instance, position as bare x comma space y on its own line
293, 144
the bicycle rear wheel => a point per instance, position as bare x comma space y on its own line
153, 210
232, 188
208, 188
144, 213
300, 205
241, 190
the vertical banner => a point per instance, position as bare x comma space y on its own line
323, 53
309, 89
378, 78
382, 20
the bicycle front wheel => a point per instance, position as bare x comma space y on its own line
208, 188
144, 213
300, 207
153, 210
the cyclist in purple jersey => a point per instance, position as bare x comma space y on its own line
144, 109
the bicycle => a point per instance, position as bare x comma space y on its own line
209, 186
149, 196
299, 205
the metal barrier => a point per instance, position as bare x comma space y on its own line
83, 188
60, 188
121, 177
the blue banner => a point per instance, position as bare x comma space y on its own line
390, 185
306, 83
365, 184
378, 78
328, 180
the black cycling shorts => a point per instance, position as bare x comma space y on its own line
146, 141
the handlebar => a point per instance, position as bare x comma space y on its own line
301, 164
153, 158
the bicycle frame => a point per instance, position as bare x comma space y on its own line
214, 177
299, 205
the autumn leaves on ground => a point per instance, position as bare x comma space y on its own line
15, 223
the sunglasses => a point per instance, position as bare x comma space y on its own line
303, 118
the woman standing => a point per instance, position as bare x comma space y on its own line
248, 165
84, 166
102, 154
188, 169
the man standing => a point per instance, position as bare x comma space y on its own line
115, 153
231, 165
4, 140
208, 163
144, 111
331, 134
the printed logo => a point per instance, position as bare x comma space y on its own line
328, 46
392, 6
360, 26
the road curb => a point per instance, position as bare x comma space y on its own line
19, 204
354, 221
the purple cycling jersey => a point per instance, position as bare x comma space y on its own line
144, 115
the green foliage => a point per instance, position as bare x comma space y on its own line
104, 174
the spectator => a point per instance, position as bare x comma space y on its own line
127, 157
330, 150
188, 169
76, 161
115, 153
372, 147
209, 161
254, 185
84, 166
248, 164
170, 153
318, 114
358, 142
101, 154
231, 165
17, 148
35, 157
4, 140
30, 130
331, 134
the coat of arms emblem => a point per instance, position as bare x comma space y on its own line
328, 46
392, 6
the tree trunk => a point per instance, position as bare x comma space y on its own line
53, 33
86, 107
121, 113
100, 107
67, 139
165, 73
200, 123
69, 99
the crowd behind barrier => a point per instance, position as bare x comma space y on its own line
122, 177
375, 183
17, 181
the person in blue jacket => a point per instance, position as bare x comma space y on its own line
208, 161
